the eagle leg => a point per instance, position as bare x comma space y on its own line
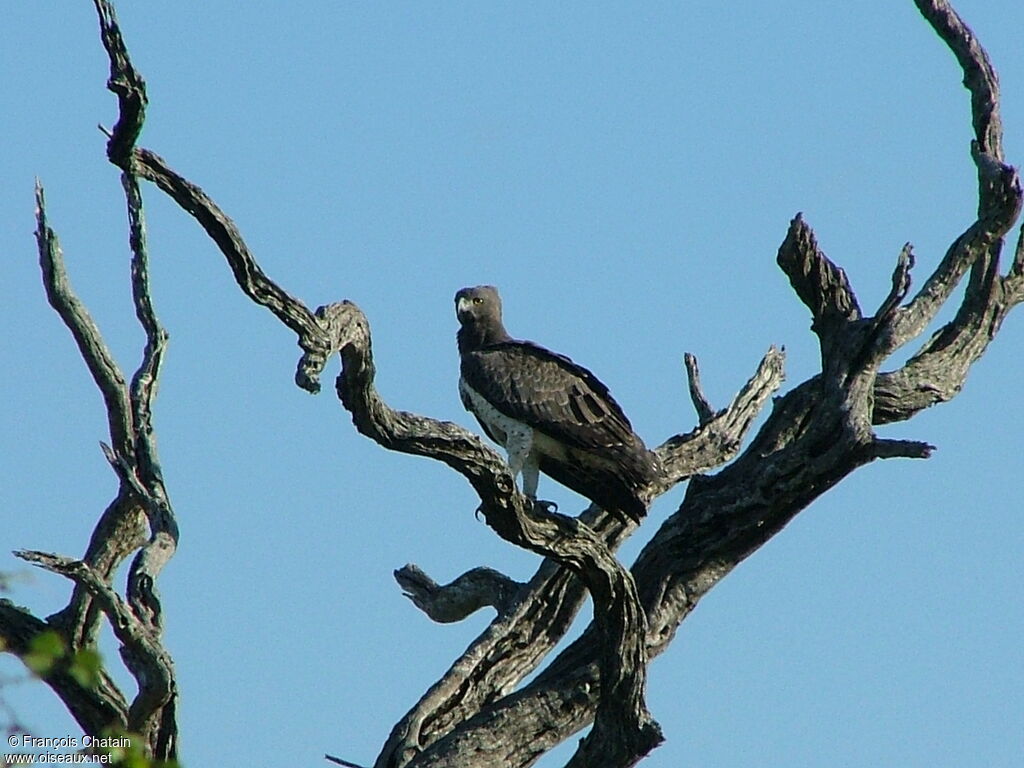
523, 461
519, 444
531, 477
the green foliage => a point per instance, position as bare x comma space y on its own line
85, 667
48, 652
44, 651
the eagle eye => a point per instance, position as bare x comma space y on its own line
477, 300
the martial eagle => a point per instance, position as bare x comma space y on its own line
549, 413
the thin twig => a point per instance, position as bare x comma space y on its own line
339, 761
700, 403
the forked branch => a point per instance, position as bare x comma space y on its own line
142, 502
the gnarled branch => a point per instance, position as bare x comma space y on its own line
819, 283
459, 598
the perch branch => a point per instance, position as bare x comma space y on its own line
623, 727
153, 712
882, 338
723, 519
118, 531
548, 603
900, 286
248, 274
998, 185
128, 85
901, 449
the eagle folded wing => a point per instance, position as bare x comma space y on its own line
560, 399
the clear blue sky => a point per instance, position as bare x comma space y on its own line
625, 174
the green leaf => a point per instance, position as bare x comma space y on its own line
44, 650
85, 668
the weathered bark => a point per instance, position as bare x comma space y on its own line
479, 713
463, 596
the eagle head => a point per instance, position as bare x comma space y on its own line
479, 313
477, 305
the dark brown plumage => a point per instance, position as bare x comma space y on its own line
548, 412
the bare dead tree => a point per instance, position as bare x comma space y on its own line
139, 520
479, 713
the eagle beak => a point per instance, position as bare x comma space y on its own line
462, 307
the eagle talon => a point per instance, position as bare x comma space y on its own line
548, 506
